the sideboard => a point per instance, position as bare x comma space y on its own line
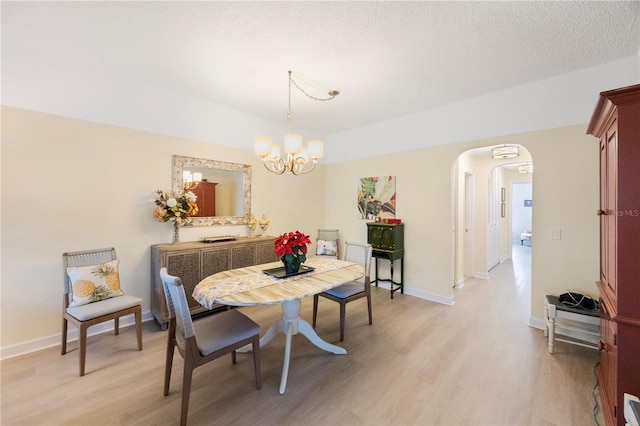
193, 261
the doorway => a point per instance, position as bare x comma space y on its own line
521, 208
486, 216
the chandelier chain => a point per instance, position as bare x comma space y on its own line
332, 94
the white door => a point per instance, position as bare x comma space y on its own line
493, 226
468, 224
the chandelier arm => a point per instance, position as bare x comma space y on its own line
273, 169
189, 185
300, 170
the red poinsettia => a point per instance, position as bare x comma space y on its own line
292, 245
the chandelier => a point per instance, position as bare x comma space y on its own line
505, 151
297, 156
190, 180
525, 168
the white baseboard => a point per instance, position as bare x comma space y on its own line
422, 294
481, 275
72, 335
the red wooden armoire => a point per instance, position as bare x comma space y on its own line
616, 123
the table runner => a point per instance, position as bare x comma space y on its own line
216, 286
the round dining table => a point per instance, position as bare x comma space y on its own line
264, 285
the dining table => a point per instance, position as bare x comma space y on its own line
265, 284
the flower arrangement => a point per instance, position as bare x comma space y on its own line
291, 248
174, 206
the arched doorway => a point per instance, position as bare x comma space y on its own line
484, 213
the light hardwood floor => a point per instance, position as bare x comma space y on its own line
420, 363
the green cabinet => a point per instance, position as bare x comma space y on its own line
387, 241
385, 236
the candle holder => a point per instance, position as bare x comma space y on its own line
264, 224
252, 223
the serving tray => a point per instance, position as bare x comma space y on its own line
281, 273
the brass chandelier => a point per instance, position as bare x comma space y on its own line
297, 156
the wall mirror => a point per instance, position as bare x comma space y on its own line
223, 189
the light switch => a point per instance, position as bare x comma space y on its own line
556, 233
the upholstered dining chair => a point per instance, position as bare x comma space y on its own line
92, 295
328, 243
357, 253
205, 339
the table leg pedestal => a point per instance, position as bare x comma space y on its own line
291, 324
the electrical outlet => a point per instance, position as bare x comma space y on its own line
556, 233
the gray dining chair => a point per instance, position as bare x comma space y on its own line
87, 315
204, 339
357, 253
328, 243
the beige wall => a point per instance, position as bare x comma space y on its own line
565, 185
69, 185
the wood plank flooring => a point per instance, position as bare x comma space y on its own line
420, 363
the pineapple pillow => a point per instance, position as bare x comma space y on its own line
94, 283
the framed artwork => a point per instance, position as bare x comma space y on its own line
527, 203
503, 195
377, 197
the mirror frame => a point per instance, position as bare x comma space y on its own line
180, 162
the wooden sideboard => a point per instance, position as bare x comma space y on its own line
616, 123
193, 261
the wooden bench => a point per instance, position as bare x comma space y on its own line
583, 326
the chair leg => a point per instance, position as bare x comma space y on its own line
139, 327
186, 390
369, 306
116, 325
315, 309
167, 366
64, 336
256, 361
342, 319
82, 341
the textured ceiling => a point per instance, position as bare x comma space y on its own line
387, 59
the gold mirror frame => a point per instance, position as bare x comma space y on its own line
180, 162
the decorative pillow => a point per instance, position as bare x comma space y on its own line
327, 248
94, 283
